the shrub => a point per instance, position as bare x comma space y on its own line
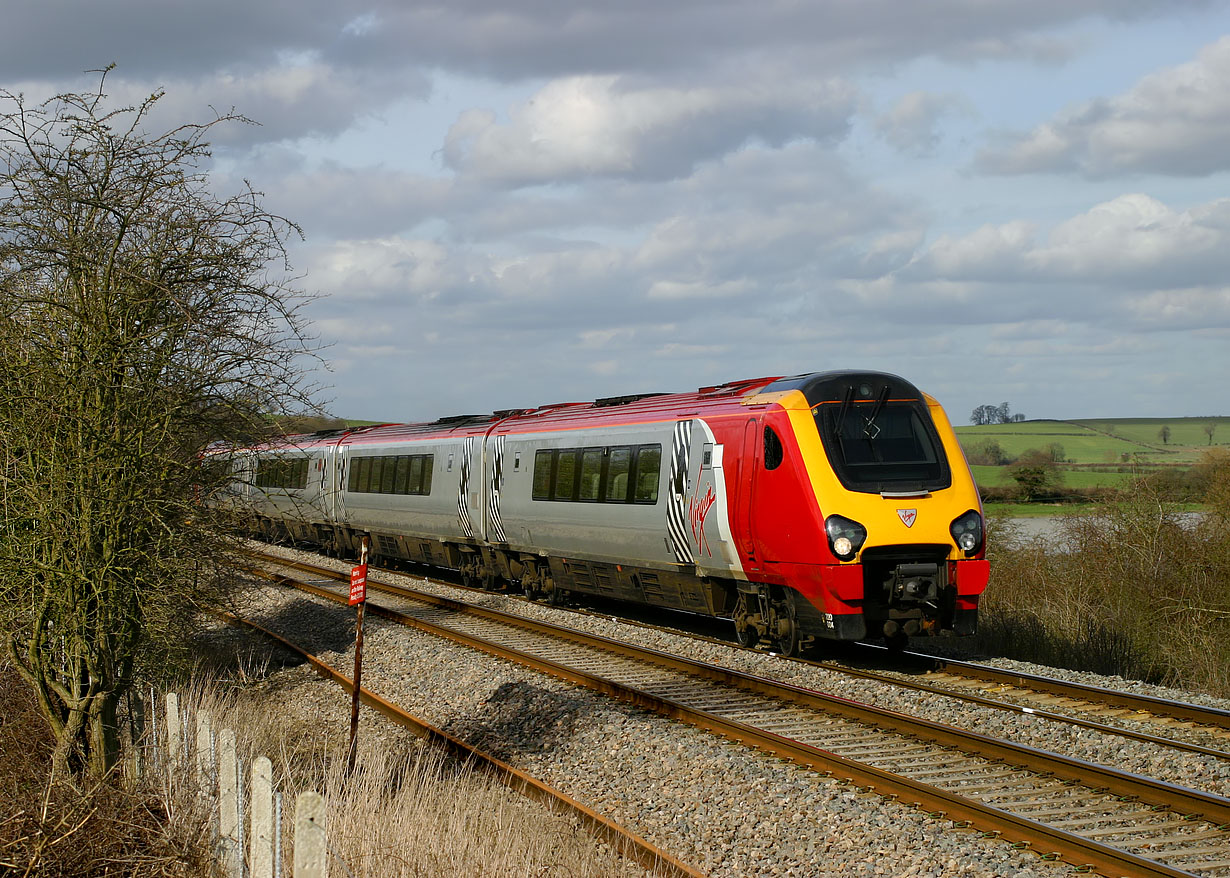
1136, 588
1036, 474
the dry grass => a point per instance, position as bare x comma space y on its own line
61, 830
1135, 588
408, 810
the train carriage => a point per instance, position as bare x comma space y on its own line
829, 505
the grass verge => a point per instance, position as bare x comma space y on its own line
1135, 587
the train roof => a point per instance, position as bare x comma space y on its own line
651, 407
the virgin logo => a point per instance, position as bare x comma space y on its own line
907, 516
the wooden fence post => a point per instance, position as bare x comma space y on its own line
229, 851
311, 852
260, 854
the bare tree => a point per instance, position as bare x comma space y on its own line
1209, 429
142, 317
1164, 434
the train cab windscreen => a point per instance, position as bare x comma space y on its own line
883, 446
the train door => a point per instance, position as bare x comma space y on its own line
335, 507
744, 526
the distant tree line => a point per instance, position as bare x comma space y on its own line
994, 414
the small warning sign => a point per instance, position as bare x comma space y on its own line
358, 584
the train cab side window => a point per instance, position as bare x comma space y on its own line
773, 451
648, 469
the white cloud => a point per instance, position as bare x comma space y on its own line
586, 126
1175, 121
1133, 241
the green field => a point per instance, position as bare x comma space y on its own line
997, 477
1103, 441
1099, 452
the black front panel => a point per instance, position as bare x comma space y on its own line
889, 446
876, 430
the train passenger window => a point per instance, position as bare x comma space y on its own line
401, 475
648, 468
773, 451
388, 476
377, 473
618, 468
362, 468
428, 464
543, 462
414, 476
591, 473
566, 472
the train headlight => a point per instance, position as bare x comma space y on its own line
967, 532
846, 537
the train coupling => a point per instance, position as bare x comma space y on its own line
916, 584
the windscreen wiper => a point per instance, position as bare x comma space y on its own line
845, 408
870, 430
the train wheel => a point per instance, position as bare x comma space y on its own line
529, 582
786, 629
897, 642
551, 592
787, 640
746, 635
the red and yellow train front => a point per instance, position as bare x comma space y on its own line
863, 506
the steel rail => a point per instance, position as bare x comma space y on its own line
620, 838
1215, 809
1040, 712
1207, 717
1071, 847
1214, 717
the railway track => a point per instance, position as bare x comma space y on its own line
1086, 814
1191, 728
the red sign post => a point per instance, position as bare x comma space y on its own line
358, 584
358, 595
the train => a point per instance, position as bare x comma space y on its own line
832, 505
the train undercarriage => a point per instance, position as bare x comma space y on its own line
903, 599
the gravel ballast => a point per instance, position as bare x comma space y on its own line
728, 810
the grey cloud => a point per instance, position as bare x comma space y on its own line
153, 39
540, 39
1175, 121
527, 39
911, 125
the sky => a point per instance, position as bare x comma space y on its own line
510, 204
